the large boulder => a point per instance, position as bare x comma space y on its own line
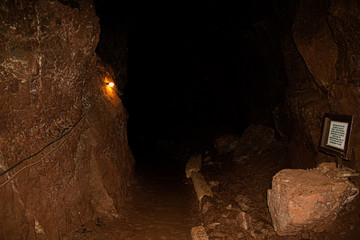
302, 200
53, 87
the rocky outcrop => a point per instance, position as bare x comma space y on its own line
55, 102
254, 140
303, 200
322, 64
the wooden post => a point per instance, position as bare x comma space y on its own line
201, 187
193, 165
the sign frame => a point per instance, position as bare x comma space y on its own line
335, 135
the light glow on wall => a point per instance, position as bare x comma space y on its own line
109, 90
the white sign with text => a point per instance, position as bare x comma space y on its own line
337, 134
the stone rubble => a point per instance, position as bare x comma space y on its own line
239, 207
198, 233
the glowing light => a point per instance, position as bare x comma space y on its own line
109, 91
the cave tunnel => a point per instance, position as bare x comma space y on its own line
194, 69
211, 130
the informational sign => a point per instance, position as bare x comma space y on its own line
335, 135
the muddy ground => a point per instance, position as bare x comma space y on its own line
163, 203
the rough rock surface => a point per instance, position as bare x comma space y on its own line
255, 139
322, 56
226, 143
50, 79
308, 199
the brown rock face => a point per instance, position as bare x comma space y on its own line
308, 199
53, 87
322, 61
314, 41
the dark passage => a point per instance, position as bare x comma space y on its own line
195, 70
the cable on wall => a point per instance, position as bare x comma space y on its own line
31, 156
63, 136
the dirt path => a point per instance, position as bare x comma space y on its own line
161, 207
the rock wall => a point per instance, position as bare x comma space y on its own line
53, 87
322, 64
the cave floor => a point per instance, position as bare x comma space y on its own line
161, 206
163, 203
